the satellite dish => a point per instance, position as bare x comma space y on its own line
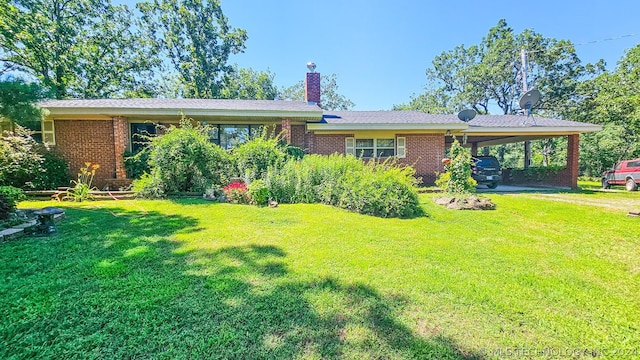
467, 115
529, 100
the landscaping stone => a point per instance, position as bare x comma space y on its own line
468, 203
12, 233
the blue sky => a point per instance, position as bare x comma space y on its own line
380, 49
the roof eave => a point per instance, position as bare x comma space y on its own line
506, 130
63, 111
395, 126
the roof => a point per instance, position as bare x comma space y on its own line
209, 104
386, 120
189, 107
522, 121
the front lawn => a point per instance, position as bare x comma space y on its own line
192, 279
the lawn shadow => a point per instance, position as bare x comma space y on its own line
116, 284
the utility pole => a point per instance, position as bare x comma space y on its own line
527, 144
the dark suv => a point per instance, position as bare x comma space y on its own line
485, 170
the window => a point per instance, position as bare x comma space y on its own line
48, 132
633, 164
230, 136
140, 134
376, 148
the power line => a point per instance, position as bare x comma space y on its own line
589, 42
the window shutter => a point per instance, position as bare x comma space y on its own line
350, 146
402, 147
48, 132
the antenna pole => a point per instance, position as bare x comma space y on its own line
523, 57
527, 144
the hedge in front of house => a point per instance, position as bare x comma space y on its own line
385, 189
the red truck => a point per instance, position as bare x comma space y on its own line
625, 173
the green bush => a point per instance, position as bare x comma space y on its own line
457, 180
183, 159
12, 195
148, 187
253, 158
28, 165
136, 164
54, 172
259, 193
20, 159
382, 189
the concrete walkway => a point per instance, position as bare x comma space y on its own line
510, 188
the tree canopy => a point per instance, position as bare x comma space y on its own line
81, 48
488, 75
331, 99
197, 40
17, 102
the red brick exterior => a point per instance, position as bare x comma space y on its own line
425, 153
329, 144
312, 88
573, 151
81, 141
297, 135
286, 130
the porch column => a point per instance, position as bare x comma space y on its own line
573, 149
474, 149
120, 144
527, 154
286, 130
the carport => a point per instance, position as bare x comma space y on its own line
489, 130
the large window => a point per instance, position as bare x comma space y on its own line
140, 134
375, 148
230, 136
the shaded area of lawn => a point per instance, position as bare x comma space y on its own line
115, 283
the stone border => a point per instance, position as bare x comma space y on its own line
21, 230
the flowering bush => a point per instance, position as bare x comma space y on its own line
456, 179
236, 193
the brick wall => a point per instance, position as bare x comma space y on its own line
297, 135
425, 153
329, 144
121, 143
80, 141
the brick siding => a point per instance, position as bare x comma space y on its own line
297, 135
80, 141
425, 153
329, 144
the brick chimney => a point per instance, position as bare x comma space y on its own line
312, 85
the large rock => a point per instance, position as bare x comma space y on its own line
466, 203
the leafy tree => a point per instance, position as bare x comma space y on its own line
249, 84
481, 76
17, 102
612, 99
330, 98
81, 48
197, 40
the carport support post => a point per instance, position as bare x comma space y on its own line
573, 150
527, 154
474, 149
286, 130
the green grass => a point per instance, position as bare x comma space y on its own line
191, 279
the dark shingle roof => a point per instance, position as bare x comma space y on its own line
521, 121
200, 104
387, 117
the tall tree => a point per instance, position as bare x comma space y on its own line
246, 83
18, 102
80, 48
330, 98
194, 35
489, 74
612, 99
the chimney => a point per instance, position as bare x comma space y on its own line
312, 85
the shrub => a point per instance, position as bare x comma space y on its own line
12, 195
54, 172
236, 193
457, 180
382, 189
183, 159
253, 158
19, 158
148, 187
136, 164
259, 193
5, 210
